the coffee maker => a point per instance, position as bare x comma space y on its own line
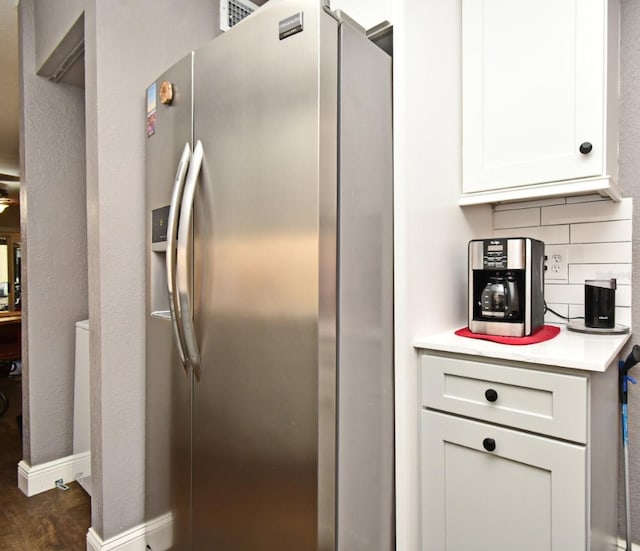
506, 286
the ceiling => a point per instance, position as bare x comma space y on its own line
9, 94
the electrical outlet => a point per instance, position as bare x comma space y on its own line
557, 263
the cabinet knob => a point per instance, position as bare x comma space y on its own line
489, 444
585, 148
491, 395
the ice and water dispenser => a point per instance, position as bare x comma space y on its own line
159, 299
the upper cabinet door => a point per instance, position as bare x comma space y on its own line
534, 92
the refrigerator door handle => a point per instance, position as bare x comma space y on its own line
172, 223
184, 231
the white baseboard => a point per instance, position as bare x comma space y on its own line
36, 479
160, 533
129, 540
157, 533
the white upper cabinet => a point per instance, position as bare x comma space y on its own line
539, 98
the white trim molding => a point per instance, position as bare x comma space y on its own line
35, 479
129, 540
155, 535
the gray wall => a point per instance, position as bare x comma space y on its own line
72, 211
127, 44
630, 184
54, 270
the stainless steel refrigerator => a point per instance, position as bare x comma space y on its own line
269, 343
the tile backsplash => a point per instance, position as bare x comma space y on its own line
591, 237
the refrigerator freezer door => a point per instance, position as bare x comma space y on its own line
265, 212
168, 385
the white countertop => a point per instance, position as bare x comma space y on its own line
568, 349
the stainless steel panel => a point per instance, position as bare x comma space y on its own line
517, 254
259, 266
474, 260
501, 328
168, 388
327, 159
365, 306
476, 254
526, 254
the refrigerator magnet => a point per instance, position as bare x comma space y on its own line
151, 110
166, 92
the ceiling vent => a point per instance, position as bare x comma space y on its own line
234, 11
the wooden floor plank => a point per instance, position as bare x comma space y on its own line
51, 521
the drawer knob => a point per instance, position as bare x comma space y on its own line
585, 148
491, 395
489, 444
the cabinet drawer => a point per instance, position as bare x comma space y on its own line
547, 403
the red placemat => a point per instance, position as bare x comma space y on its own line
545, 333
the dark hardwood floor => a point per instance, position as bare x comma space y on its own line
53, 520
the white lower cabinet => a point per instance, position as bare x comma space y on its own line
510, 458
492, 488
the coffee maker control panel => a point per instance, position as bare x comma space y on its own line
495, 254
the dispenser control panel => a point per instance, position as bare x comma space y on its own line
159, 219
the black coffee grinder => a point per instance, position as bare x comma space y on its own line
506, 286
600, 303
